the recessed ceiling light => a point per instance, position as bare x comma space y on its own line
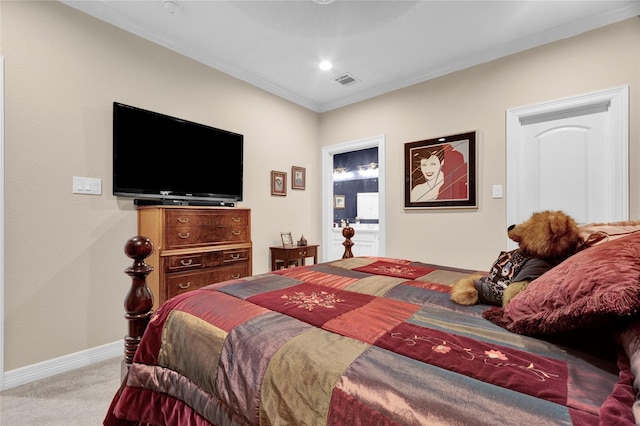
325, 65
324, 1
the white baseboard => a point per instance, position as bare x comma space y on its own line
44, 369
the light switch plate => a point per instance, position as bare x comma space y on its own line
497, 191
85, 185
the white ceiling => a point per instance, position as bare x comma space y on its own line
386, 45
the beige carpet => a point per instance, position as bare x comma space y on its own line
80, 397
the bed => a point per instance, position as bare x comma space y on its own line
376, 341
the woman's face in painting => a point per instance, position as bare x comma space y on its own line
430, 167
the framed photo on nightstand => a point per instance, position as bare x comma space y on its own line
287, 239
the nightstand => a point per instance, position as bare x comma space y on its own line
284, 257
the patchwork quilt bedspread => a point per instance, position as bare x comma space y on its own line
360, 341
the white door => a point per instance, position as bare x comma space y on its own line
570, 155
564, 164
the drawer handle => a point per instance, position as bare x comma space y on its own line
302, 253
235, 276
183, 219
186, 262
185, 286
235, 256
236, 232
236, 219
184, 236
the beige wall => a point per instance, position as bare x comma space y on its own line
64, 284
476, 99
64, 280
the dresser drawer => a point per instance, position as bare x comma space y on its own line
205, 260
181, 283
231, 256
195, 217
191, 236
179, 263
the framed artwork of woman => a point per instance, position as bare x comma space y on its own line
441, 172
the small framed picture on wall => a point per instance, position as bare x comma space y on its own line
338, 201
278, 183
298, 177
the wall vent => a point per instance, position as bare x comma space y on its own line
346, 79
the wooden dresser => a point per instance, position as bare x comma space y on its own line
195, 247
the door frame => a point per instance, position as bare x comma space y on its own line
327, 187
617, 102
2, 159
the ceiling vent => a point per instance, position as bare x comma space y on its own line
346, 79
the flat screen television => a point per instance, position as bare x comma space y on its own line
159, 159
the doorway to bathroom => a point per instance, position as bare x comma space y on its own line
353, 191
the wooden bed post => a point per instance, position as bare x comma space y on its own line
347, 233
138, 303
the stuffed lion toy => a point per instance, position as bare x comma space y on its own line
545, 239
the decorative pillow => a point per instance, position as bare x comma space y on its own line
625, 393
595, 233
597, 285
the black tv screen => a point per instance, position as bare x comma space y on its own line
158, 157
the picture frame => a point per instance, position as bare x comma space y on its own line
287, 239
338, 201
298, 177
440, 173
278, 183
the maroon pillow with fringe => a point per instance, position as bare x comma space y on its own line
595, 286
